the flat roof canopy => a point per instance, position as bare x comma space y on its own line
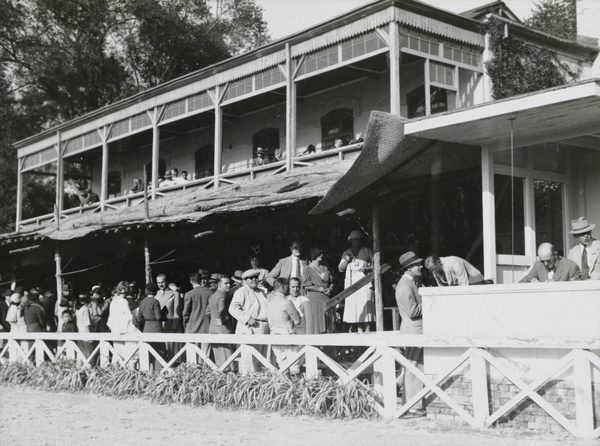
568, 114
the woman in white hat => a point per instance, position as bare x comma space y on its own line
359, 307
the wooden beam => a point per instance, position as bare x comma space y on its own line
218, 141
355, 287
155, 153
370, 73
377, 267
59, 282
489, 213
60, 175
104, 178
395, 61
19, 215
148, 268
290, 111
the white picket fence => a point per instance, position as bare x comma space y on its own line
382, 359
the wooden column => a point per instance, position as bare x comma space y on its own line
19, 215
155, 152
427, 88
395, 60
218, 135
377, 266
104, 183
488, 86
60, 174
59, 282
489, 214
148, 268
290, 110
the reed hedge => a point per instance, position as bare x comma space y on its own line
196, 385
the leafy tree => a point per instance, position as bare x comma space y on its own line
556, 17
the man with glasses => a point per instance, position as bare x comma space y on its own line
249, 307
288, 267
552, 267
220, 321
587, 252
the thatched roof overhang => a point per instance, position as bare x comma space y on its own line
196, 204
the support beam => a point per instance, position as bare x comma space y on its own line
488, 55
290, 111
489, 214
426, 76
60, 173
104, 182
148, 268
218, 135
155, 153
59, 282
377, 266
19, 215
395, 60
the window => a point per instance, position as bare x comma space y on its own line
361, 45
510, 218
268, 77
114, 183
205, 161
162, 168
268, 140
416, 101
337, 125
548, 199
320, 60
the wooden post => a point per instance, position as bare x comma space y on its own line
311, 362
60, 174
479, 382
155, 153
427, 87
377, 267
488, 55
59, 283
290, 111
489, 213
146, 205
218, 136
19, 215
104, 179
584, 398
148, 268
395, 59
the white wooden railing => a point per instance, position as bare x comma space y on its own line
249, 173
382, 359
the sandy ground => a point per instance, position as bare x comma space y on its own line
33, 417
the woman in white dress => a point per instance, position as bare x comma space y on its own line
359, 307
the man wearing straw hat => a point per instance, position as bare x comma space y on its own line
409, 305
587, 252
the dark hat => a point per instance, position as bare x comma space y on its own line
581, 226
409, 258
216, 276
313, 253
152, 288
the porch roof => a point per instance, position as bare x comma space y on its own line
196, 204
567, 114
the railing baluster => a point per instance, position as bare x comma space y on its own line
584, 404
479, 383
312, 368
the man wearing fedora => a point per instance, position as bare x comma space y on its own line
587, 252
409, 306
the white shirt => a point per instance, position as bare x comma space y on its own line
120, 319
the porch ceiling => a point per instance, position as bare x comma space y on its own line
567, 114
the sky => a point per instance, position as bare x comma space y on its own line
289, 16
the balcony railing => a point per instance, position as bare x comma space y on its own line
249, 173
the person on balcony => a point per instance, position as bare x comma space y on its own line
288, 267
587, 252
184, 176
409, 306
138, 186
278, 155
261, 157
551, 267
358, 139
453, 270
356, 262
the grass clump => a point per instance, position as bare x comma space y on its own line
199, 385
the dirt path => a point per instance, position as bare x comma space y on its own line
34, 417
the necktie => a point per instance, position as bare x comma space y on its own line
585, 268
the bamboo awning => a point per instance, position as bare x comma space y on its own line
196, 204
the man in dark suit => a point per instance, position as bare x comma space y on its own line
409, 306
288, 267
221, 320
551, 267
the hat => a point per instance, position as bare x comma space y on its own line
355, 234
15, 298
216, 276
172, 286
203, 273
96, 289
67, 287
151, 288
580, 226
237, 276
260, 150
409, 258
250, 273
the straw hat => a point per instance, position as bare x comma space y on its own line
408, 259
580, 226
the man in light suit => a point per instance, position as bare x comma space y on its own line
409, 306
288, 267
587, 252
551, 267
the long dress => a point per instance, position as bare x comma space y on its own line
317, 322
359, 306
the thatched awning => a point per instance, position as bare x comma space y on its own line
196, 204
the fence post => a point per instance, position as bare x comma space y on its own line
104, 353
39, 352
13, 350
584, 407
144, 356
384, 378
479, 386
312, 367
190, 354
